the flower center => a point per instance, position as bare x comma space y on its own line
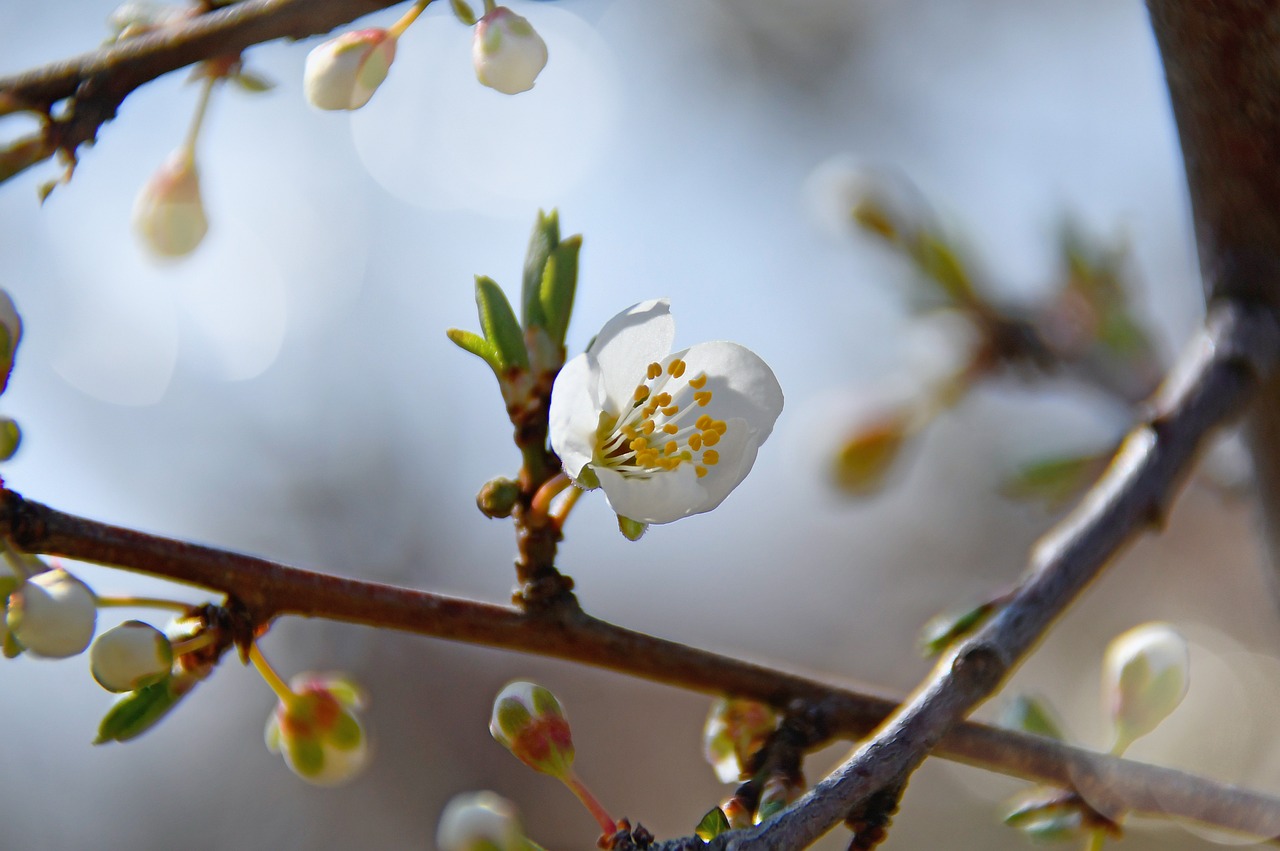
655, 435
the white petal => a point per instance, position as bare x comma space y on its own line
741, 384
661, 498
628, 343
575, 414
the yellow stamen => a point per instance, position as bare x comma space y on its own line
710, 438
671, 412
695, 442
697, 383
676, 368
702, 397
642, 393
648, 427
671, 428
710, 457
654, 370
701, 471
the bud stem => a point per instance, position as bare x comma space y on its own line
566, 505
489, 6
268, 673
607, 824
197, 120
143, 603
1094, 839
553, 486
192, 644
398, 28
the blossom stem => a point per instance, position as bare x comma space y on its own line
1093, 841
489, 6
22, 568
268, 673
192, 644
129, 602
197, 120
566, 505
607, 824
397, 29
552, 487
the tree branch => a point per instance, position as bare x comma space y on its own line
1224, 84
1227, 362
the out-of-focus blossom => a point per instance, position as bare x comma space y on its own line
507, 52
169, 214
317, 730
344, 72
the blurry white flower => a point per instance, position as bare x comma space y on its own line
130, 656
344, 72
507, 52
1145, 675
53, 614
665, 435
318, 732
169, 213
479, 821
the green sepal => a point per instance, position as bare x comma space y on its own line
306, 755
139, 711
7, 353
10, 646
943, 630
714, 823
943, 266
346, 734
478, 346
542, 243
1032, 715
463, 12
10, 438
632, 530
559, 282
499, 324
252, 83
1054, 481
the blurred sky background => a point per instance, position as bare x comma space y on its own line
289, 391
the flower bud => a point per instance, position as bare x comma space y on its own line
778, 793
528, 721
10, 335
317, 730
53, 614
479, 821
864, 459
344, 72
498, 497
1145, 676
507, 52
734, 731
130, 656
168, 214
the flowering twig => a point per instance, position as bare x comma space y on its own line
1227, 362
1234, 355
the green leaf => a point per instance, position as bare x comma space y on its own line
499, 324
559, 282
1054, 481
139, 711
943, 266
10, 437
714, 823
253, 83
542, 242
632, 530
463, 12
945, 629
478, 346
1032, 715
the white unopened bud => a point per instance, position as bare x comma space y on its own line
479, 821
130, 656
169, 213
344, 72
11, 332
53, 614
507, 52
1145, 676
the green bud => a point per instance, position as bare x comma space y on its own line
1145, 676
130, 656
1032, 715
528, 721
498, 497
499, 324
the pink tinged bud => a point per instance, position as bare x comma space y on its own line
479, 821
318, 732
734, 731
168, 214
1145, 676
507, 52
131, 656
344, 72
528, 721
53, 614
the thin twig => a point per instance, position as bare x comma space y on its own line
1237, 349
1225, 364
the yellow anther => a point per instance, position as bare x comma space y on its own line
649, 409
709, 438
662, 399
629, 431
642, 393
648, 426
701, 471
695, 442
638, 444
704, 422
710, 457
720, 426
702, 397
697, 383
670, 428
676, 368
671, 411
671, 447
655, 369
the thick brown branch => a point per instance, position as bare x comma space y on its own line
1224, 365
1224, 83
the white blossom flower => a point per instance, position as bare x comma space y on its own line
344, 72
130, 656
53, 614
507, 52
1146, 671
169, 212
665, 435
479, 821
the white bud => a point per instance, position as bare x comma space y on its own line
130, 656
507, 52
344, 72
11, 324
479, 821
169, 213
53, 614
1145, 676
